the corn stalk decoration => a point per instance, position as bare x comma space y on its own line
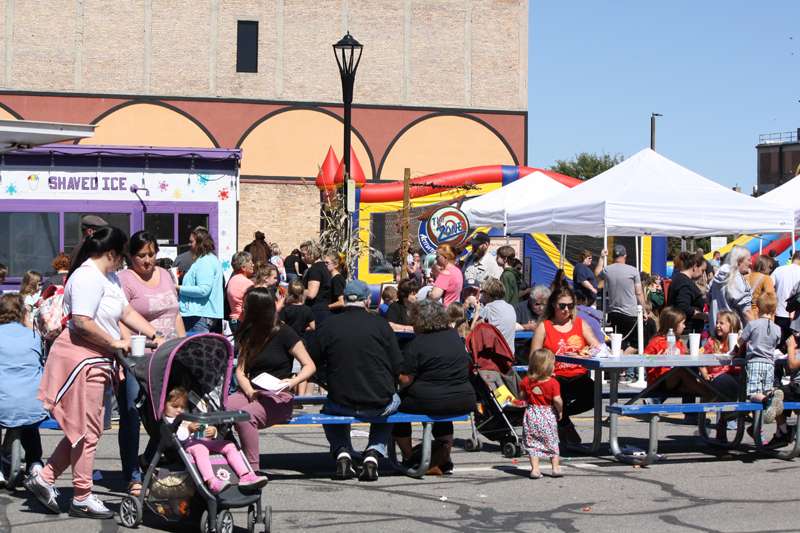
336, 232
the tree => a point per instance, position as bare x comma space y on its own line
586, 165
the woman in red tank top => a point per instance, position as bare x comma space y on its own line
565, 334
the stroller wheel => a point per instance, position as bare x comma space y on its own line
471, 445
130, 512
267, 518
224, 522
510, 449
251, 519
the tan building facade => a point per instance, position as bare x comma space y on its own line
442, 85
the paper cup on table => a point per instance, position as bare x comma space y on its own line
733, 340
694, 344
137, 345
616, 344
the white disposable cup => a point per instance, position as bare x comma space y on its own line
616, 344
733, 340
137, 345
694, 344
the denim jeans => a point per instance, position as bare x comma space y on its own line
338, 435
201, 324
129, 425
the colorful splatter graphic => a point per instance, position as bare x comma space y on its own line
11, 189
163, 186
202, 179
223, 193
177, 194
226, 265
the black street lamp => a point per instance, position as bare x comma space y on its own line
348, 55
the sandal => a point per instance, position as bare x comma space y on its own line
135, 488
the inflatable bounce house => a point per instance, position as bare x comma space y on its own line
377, 218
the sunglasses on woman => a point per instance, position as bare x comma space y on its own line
564, 306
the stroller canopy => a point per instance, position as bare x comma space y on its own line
200, 363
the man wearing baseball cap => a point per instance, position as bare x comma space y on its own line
89, 224
480, 264
623, 292
357, 353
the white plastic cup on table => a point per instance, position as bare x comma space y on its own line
616, 344
137, 345
733, 340
694, 344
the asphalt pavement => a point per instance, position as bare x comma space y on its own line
694, 488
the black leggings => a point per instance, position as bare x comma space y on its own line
31, 442
440, 430
578, 395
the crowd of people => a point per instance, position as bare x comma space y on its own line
299, 319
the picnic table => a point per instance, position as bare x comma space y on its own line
613, 366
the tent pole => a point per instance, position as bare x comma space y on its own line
638, 262
505, 223
561, 253
605, 246
794, 227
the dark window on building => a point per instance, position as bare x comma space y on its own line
72, 226
28, 241
247, 46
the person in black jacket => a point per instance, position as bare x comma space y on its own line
359, 356
683, 291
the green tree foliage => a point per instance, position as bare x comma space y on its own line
585, 165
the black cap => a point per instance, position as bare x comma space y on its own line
93, 221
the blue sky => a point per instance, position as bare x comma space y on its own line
721, 73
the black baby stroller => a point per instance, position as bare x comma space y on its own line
493, 367
172, 487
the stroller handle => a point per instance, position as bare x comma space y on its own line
128, 363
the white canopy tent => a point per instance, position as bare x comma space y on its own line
649, 194
787, 195
490, 209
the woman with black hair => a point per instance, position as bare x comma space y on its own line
79, 367
201, 292
150, 290
265, 346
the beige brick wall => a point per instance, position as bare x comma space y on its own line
113, 58
462, 53
288, 213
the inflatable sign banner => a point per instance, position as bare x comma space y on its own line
447, 225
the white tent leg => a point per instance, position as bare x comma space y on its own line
561, 253
793, 238
640, 382
638, 257
605, 246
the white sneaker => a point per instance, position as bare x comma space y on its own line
91, 507
35, 468
44, 492
2, 479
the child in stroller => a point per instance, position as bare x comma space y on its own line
183, 386
200, 447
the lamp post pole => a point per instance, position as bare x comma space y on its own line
653, 130
348, 56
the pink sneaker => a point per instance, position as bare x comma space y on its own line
216, 485
252, 482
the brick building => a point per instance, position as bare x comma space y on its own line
442, 85
778, 159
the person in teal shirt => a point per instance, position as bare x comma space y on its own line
201, 293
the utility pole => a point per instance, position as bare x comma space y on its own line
653, 130
404, 224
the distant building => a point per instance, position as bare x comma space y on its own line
778, 159
441, 85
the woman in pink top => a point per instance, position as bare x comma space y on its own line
151, 292
450, 280
243, 268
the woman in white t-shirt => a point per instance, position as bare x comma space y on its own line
79, 368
